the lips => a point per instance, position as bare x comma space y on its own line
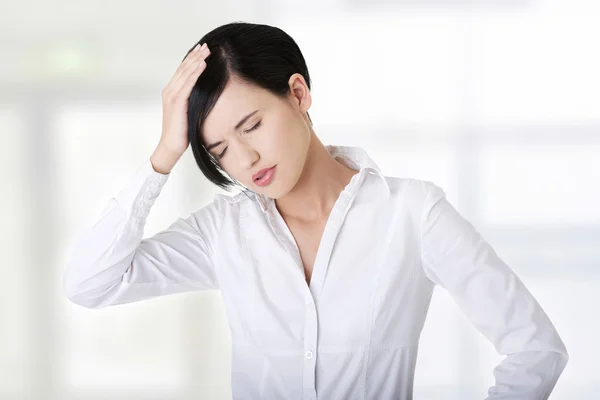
265, 178
260, 173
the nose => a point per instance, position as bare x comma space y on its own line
246, 155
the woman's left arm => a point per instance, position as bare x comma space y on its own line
456, 257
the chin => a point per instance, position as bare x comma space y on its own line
282, 189
274, 190
270, 192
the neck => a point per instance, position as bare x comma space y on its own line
318, 188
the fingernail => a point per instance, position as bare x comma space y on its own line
197, 47
204, 46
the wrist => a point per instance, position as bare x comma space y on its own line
163, 159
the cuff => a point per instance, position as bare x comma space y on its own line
138, 196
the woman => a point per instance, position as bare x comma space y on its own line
325, 265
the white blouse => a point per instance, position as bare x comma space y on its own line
353, 333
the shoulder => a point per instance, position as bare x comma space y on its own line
411, 201
220, 203
228, 206
413, 191
209, 219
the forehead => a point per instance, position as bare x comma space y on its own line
238, 99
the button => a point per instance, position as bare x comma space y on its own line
309, 354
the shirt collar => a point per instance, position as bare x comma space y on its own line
356, 157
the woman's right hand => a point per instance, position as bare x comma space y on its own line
174, 137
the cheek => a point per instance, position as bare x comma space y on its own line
283, 138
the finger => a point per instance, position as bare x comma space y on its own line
193, 60
185, 62
190, 69
189, 58
188, 83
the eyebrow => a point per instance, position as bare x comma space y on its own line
237, 126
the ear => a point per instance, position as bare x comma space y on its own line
299, 92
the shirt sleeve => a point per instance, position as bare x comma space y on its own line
111, 263
457, 258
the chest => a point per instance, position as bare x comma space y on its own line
358, 271
363, 272
308, 238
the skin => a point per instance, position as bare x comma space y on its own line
308, 180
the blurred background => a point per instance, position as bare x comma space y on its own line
498, 102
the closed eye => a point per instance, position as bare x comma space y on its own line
246, 131
254, 127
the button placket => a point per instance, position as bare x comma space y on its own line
310, 348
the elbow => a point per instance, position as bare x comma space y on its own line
78, 294
564, 357
84, 299
562, 350
81, 299
560, 354
560, 357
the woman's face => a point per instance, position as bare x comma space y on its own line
276, 132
